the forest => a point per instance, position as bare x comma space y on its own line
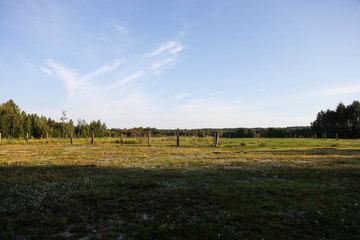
14, 123
344, 122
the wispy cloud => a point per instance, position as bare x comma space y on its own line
71, 79
128, 79
171, 47
121, 28
116, 89
334, 91
46, 70
105, 69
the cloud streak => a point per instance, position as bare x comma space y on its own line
335, 91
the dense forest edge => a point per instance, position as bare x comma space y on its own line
344, 122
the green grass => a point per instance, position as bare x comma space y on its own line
244, 189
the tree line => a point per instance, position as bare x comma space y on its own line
290, 132
16, 124
344, 122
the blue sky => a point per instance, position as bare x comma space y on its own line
185, 63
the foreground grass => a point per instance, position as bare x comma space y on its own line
244, 189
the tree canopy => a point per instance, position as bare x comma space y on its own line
16, 123
344, 122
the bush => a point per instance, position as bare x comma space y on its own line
243, 144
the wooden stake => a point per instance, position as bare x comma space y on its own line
216, 139
27, 138
121, 139
71, 135
47, 138
177, 138
0, 137
9, 139
92, 137
149, 139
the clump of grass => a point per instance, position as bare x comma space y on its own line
262, 144
128, 141
243, 144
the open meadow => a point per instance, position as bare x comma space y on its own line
244, 189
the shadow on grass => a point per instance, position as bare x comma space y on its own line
314, 151
72, 202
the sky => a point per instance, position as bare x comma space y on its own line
180, 63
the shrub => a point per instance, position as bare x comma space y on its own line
243, 144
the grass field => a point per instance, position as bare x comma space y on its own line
244, 189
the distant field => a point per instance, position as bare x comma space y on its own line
244, 189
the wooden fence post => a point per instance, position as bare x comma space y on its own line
9, 139
27, 137
92, 137
0, 137
216, 139
177, 138
149, 142
71, 138
121, 139
47, 138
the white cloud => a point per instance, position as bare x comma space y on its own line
336, 91
71, 79
105, 68
117, 99
177, 49
46, 70
171, 47
128, 79
121, 28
